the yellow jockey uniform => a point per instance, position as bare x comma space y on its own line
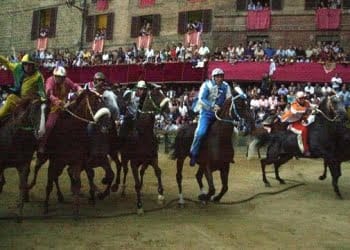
28, 81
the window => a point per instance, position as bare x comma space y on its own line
151, 21
202, 16
44, 20
242, 5
314, 4
100, 25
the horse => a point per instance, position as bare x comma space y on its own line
283, 146
69, 140
216, 151
141, 147
18, 141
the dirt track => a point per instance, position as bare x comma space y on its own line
307, 217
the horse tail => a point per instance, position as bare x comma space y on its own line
174, 147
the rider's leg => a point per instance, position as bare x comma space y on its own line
9, 105
50, 123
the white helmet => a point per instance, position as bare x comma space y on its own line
59, 71
141, 85
217, 71
300, 94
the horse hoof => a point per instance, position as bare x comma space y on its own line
282, 182
92, 202
267, 184
140, 211
203, 197
104, 181
322, 177
101, 196
216, 199
114, 188
123, 195
60, 199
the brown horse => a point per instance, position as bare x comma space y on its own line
69, 140
216, 151
18, 134
141, 148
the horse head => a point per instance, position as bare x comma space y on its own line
332, 108
236, 109
29, 115
90, 107
111, 101
156, 101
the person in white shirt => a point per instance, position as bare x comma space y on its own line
105, 57
326, 89
149, 54
203, 50
336, 82
309, 89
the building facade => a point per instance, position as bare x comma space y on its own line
224, 22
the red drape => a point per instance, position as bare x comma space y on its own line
102, 5
303, 72
41, 43
146, 3
258, 20
193, 38
144, 41
97, 45
328, 19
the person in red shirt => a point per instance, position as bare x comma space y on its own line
57, 88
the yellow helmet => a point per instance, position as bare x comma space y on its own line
28, 59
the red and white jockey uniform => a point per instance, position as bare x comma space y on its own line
297, 115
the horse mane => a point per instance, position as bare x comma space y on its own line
224, 111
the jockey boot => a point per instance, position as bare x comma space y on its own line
193, 160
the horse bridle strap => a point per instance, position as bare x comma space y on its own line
155, 106
81, 118
325, 116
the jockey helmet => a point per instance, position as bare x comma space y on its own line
99, 76
141, 85
216, 72
28, 59
300, 94
127, 93
59, 71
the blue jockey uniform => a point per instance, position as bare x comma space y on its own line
210, 95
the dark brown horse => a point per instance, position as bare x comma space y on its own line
18, 134
141, 148
68, 144
216, 151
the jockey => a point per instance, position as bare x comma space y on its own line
28, 80
57, 88
211, 97
98, 84
299, 118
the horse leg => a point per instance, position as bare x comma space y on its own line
263, 163
324, 175
38, 163
211, 188
50, 178
179, 167
335, 169
158, 173
224, 172
109, 176
2, 180
144, 166
91, 174
199, 178
118, 165
76, 185
125, 172
135, 172
277, 165
22, 173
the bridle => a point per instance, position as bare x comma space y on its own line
157, 109
233, 109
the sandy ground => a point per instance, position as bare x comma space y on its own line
306, 217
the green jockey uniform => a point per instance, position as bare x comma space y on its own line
28, 81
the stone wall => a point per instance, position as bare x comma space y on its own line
291, 25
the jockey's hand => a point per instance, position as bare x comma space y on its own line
216, 108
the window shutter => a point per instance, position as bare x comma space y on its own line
35, 24
135, 26
346, 4
241, 5
182, 23
156, 25
90, 28
206, 20
53, 21
276, 4
110, 26
310, 4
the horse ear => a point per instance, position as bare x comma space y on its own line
155, 86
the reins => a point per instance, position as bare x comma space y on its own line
325, 116
79, 117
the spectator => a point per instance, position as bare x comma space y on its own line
309, 89
282, 90
203, 50
336, 82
